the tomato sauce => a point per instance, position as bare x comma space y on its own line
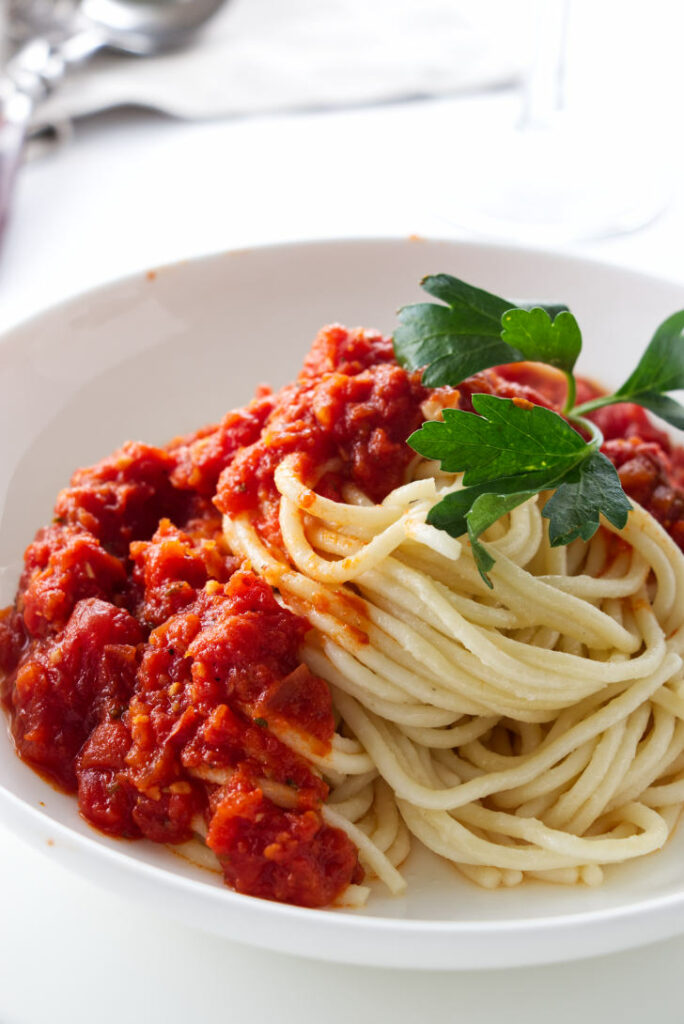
351, 407
147, 671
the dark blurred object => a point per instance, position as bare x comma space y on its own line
26, 18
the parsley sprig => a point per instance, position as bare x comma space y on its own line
510, 450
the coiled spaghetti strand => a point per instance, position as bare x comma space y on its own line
533, 730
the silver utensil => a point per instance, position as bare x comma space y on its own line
139, 27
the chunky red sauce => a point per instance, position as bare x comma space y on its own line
148, 672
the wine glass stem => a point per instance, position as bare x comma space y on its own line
544, 86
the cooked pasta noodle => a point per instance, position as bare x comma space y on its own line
535, 730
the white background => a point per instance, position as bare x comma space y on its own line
133, 193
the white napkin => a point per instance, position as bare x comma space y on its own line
270, 55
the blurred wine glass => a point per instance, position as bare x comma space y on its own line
560, 175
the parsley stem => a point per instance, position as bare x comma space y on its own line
597, 403
595, 433
572, 393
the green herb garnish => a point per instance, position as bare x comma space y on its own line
508, 449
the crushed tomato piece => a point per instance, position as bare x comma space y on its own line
277, 854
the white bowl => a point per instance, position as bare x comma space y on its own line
160, 354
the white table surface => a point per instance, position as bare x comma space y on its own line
131, 194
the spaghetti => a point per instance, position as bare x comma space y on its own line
533, 730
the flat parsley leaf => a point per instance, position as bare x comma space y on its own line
667, 408
590, 490
445, 342
486, 510
450, 514
508, 438
483, 308
509, 452
557, 342
473, 510
660, 369
461, 338
573, 510
552, 308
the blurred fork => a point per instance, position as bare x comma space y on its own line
60, 34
